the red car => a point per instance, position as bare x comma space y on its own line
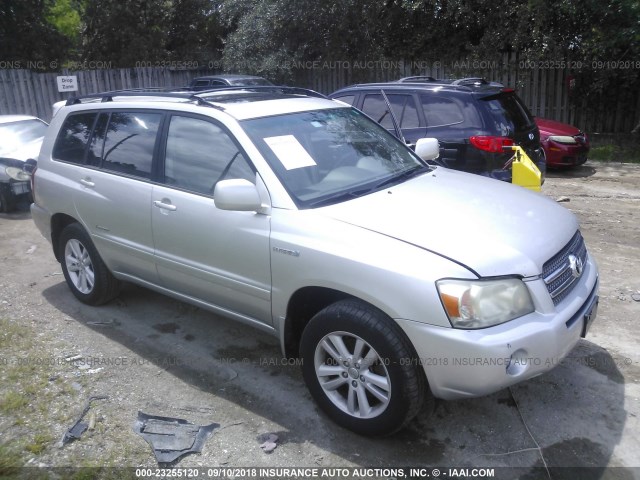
564, 145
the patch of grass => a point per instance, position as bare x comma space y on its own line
13, 402
10, 460
611, 152
40, 442
27, 396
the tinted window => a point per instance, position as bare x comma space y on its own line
129, 142
376, 108
440, 111
199, 154
94, 154
404, 109
73, 137
508, 113
348, 99
202, 83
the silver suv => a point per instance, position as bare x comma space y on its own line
395, 281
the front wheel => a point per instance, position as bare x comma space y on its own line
360, 368
86, 274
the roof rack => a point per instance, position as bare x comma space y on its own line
191, 96
265, 88
417, 79
131, 92
475, 82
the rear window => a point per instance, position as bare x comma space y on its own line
450, 112
508, 113
440, 111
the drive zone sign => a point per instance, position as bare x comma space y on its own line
67, 83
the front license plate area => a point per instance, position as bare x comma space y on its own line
590, 316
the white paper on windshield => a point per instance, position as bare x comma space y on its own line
289, 151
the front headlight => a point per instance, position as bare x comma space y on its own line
566, 139
472, 304
17, 174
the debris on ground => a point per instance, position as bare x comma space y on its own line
31, 249
80, 427
171, 438
269, 444
636, 297
563, 199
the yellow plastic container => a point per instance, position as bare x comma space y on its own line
524, 172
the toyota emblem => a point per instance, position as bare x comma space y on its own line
576, 266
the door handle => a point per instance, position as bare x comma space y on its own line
87, 182
165, 206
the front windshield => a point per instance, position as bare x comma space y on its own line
16, 134
326, 156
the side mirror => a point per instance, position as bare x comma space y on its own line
428, 148
237, 194
30, 166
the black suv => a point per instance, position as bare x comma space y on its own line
472, 119
210, 82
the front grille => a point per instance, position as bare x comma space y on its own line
557, 273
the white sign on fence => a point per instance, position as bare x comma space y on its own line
67, 83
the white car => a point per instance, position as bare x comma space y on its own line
395, 281
20, 139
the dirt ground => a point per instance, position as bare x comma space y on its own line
153, 354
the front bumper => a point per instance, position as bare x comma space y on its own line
559, 155
471, 363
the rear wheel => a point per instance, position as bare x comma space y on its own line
361, 369
87, 276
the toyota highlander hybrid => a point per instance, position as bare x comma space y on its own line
394, 280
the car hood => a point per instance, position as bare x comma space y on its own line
491, 227
25, 151
551, 127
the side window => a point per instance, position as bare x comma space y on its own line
440, 111
404, 109
72, 140
202, 83
129, 142
375, 106
346, 99
94, 154
199, 154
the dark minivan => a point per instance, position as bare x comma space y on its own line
472, 119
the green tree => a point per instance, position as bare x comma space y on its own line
125, 33
26, 35
195, 32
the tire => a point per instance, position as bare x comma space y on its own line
375, 399
7, 200
86, 274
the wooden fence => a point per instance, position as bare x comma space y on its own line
545, 91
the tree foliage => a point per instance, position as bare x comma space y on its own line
271, 37
125, 33
26, 34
